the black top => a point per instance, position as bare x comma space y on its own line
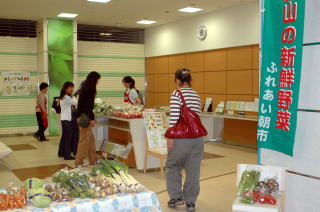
86, 103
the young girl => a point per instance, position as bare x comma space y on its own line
67, 101
131, 94
86, 146
42, 112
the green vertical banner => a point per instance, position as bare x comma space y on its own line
282, 44
60, 62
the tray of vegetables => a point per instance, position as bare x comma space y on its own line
251, 189
75, 181
117, 173
13, 198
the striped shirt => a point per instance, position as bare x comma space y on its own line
192, 99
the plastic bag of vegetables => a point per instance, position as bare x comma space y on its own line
249, 181
40, 197
75, 181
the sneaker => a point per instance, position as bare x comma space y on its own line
191, 206
44, 139
175, 202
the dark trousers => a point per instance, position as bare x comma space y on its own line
42, 128
74, 136
66, 140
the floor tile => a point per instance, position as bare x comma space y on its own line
21, 147
41, 172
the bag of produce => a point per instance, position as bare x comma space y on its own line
39, 197
249, 181
33, 183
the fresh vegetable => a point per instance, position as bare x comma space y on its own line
57, 193
257, 196
247, 200
75, 181
102, 186
118, 174
33, 183
39, 197
249, 181
270, 186
14, 198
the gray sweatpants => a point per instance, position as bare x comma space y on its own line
186, 154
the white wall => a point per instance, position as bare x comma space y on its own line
302, 192
236, 26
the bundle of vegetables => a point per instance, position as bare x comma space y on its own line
249, 181
75, 181
127, 110
250, 197
58, 194
102, 186
13, 198
118, 174
102, 108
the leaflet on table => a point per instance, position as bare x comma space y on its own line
207, 104
220, 107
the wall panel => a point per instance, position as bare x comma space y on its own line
216, 82
195, 61
176, 62
161, 65
17, 113
216, 60
239, 82
239, 58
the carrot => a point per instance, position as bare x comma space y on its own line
7, 198
11, 202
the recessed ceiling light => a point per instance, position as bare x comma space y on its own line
190, 10
99, 1
67, 15
105, 34
146, 22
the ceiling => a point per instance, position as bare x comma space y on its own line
123, 13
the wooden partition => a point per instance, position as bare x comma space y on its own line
224, 74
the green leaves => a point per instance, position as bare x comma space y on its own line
60, 53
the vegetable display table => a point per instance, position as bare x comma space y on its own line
127, 140
144, 201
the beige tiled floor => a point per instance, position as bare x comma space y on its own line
217, 175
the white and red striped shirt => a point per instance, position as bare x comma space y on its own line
191, 98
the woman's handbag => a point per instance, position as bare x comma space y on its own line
84, 121
189, 124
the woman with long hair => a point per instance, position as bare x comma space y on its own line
67, 101
86, 146
131, 95
184, 153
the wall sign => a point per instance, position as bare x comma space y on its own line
16, 83
282, 42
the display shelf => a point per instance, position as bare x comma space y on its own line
118, 128
123, 131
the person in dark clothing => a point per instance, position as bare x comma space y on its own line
42, 112
86, 146
67, 101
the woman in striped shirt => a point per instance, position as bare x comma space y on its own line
183, 153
